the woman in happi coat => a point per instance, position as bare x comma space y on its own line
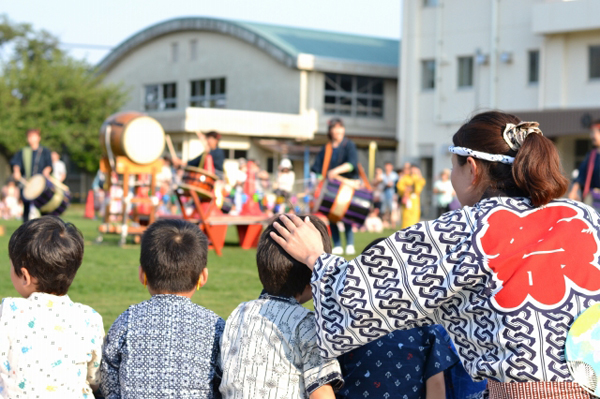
506, 275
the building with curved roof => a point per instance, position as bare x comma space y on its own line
268, 89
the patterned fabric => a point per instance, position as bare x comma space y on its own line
50, 347
467, 152
504, 278
514, 135
269, 350
459, 385
396, 365
537, 390
166, 347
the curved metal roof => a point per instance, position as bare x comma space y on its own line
284, 44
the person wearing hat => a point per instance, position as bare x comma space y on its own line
341, 162
285, 178
29, 161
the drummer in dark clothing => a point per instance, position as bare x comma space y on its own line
343, 162
588, 178
30, 161
218, 155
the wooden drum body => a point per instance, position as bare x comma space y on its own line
133, 135
49, 195
199, 180
341, 201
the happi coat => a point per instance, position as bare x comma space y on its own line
504, 278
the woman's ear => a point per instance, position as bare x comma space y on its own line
473, 170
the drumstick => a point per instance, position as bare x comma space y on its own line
171, 148
364, 178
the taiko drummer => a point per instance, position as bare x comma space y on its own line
338, 158
29, 161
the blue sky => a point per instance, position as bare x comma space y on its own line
109, 22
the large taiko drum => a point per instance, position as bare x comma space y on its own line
199, 180
133, 135
49, 195
342, 201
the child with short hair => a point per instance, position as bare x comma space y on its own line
166, 346
50, 346
269, 346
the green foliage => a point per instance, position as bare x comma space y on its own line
42, 87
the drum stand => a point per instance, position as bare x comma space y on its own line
123, 166
204, 214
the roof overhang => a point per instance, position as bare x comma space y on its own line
274, 49
562, 122
242, 123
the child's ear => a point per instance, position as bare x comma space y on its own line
203, 277
26, 278
142, 276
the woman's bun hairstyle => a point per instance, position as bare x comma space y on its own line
536, 172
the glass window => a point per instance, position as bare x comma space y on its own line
534, 66
353, 95
208, 93
237, 154
594, 62
428, 74
170, 95
465, 71
174, 51
151, 97
193, 50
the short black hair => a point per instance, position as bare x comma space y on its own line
173, 255
213, 134
279, 273
51, 251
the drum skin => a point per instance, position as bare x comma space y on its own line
342, 202
47, 194
134, 135
199, 180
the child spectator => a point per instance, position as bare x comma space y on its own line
406, 364
166, 346
269, 347
50, 346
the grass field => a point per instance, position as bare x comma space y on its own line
108, 282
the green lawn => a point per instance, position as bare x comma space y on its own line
108, 282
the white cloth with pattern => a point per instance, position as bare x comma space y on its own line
50, 347
269, 351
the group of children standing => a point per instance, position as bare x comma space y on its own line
169, 347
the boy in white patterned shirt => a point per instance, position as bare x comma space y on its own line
269, 346
50, 346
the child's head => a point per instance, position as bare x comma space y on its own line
279, 273
45, 254
173, 256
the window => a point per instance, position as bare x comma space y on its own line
159, 97
237, 154
534, 66
465, 71
174, 52
594, 62
353, 95
193, 50
427, 74
208, 93
430, 3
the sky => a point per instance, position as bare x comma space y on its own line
106, 23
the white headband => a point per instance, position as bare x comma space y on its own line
467, 152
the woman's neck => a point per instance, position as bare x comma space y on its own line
336, 143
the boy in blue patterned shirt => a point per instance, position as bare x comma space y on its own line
167, 346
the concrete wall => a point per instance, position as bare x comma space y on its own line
254, 80
455, 28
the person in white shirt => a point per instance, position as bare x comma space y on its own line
59, 169
444, 192
50, 346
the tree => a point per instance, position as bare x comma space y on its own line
43, 87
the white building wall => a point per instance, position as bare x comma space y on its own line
254, 80
493, 28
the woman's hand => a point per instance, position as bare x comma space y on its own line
300, 239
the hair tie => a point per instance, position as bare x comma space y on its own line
515, 135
